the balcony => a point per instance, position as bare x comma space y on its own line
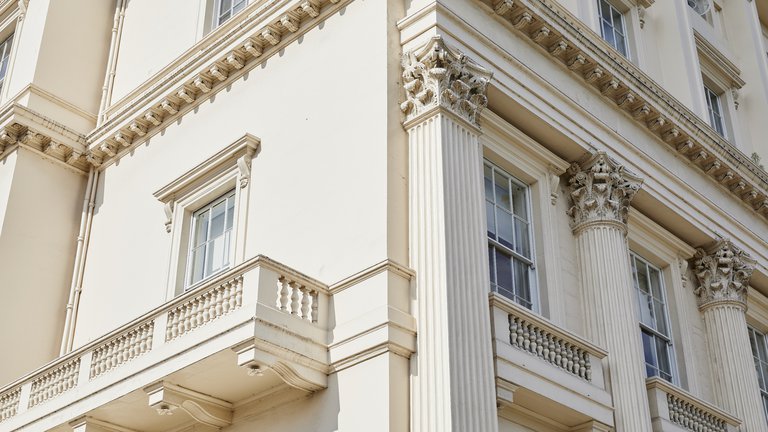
543, 371
256, 332
675, 410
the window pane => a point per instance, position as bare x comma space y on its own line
523, 246
608, 34
239, 5
605, 11
230, 212
649, 349
621, 44
225, 6
618, 23
490, 220
659, 315
502, 192
216, 257
504, 279
488, 183
521, 282
197, 258
662, 351
646, 309
492, 265
642, 277
519, 201
504, 221
217, 219
201, 228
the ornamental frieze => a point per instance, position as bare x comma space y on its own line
600, 190
723, 273
436, 76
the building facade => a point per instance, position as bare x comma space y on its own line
386, 215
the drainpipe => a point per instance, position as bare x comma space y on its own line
114, 48
80, 254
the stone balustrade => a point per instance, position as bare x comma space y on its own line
259, 286
675, 410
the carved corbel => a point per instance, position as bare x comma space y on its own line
93, 160
672, 134
153, 118
186, 94
7, 138
169, 106
108, 149
641, 16
735, 94
166, 398
642, 112
685, 147
202, 83
138, 129
577, 62
90, 424
554, 185
594, 75
558, 47
253, 47
255, 361
310, 9
218, 72
122, 139
503, 6
523, 21
610, 87
290, 22
271, 36
541, 34
168, 209
235, 60
657, 123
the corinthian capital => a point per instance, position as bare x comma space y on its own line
723, 272
437, 76
600, 191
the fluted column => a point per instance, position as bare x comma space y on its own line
453, 378
601, 191
723, 273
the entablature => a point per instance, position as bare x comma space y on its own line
563, 38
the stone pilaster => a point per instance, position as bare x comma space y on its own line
601, 191
723, 273
453, 377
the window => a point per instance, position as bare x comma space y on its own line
510, 252
612, 26
702, 8
210, 245
225, 9
5, 56
760, 353
654, 323
715, 111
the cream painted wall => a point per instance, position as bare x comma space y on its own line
319, 189
63, 50
37, 246
154, 34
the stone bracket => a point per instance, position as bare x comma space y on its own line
166, 398
302, 377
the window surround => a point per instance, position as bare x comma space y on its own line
669, 254
531, 163
633, 12
11, 19
226, 170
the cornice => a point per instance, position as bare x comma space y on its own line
26, 128
205, 70
719, 62
563, 38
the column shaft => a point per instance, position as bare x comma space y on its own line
733, 369
610, 312
454, 385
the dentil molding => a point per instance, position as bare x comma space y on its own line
438, 76
601, 191
723, 271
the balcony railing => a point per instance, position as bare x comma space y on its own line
259, 288
549, 369
675, 410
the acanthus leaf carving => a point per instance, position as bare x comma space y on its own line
437, 76
723, 272
601, 190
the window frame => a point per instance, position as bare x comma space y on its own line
655, 332
624, 26
762, 375
216, 12
495, 244
6, 51
220, 174
720, 128
229, 239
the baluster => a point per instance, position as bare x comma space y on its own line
283, 294
314, 306
295, 287
304, 303
540, 336
232, 295
226, 294
238, 292
534, 334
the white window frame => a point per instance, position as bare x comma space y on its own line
625, 29
654, 332
715, 111
6, 47
229, 235
532, 164
496, 245
216, 14
761, 364
227, 170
